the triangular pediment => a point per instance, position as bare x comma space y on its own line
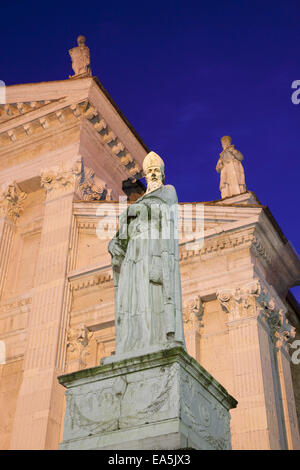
23, 98
50, 109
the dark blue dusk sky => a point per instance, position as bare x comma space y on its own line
184, 73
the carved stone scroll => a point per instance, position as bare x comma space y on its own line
254, 300
11, 200
86, 184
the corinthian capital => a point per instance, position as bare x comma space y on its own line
89, 187
254, 299
281, 331
57, 178
193, 312
78, 344
240, 302
11, 200
77, 177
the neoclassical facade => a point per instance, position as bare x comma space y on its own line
67, 154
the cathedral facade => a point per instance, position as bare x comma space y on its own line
69, 159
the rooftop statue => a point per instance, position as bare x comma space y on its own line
145, 260
232, 179
81, 58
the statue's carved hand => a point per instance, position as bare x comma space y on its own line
118, 251
117, 254
115, 249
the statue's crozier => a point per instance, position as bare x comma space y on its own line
145, 260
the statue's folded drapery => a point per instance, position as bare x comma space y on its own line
232, 181
146, 275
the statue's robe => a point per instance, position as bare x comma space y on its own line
80, 60
147, 280
232, 180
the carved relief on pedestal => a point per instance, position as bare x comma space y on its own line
117, 402
78, 345
254, 300
11, 200
192, 314
207, 418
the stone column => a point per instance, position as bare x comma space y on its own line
284, 334
40, 402
192, 321
255, 324
11, 206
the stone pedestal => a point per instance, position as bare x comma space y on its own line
163, 400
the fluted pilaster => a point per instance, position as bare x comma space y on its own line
40, 402
11, 207
258, 333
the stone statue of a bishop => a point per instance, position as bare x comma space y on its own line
145, 260
232, 179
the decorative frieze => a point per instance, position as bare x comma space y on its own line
14, 317
87, 281
18, 306
88, 225
253, 300
221, 243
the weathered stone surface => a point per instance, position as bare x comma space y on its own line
164, 400
145, 261
80, 56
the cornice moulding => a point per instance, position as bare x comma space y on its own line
32, 111
22, 131
90, 269
47, 90
111, 141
